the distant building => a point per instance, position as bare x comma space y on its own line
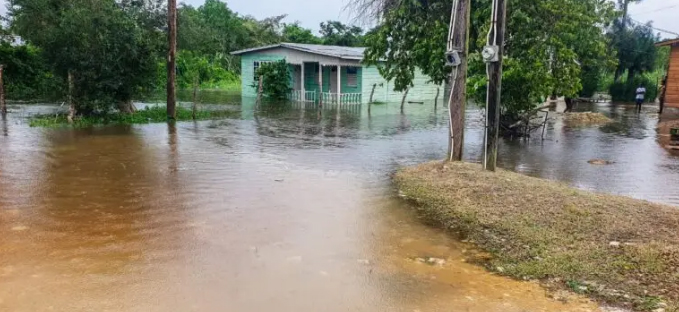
337, 69
672, 85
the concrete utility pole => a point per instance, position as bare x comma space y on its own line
171, 59
493, 54
458, 44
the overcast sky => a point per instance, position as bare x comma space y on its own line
663, 13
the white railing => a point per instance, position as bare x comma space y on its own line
295, 95
329, 98
350, 98
310, 96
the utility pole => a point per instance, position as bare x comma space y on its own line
493, 54
456, 56
171, 59
3, 105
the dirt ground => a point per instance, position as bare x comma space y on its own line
620, 250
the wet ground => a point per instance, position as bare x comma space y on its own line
279, 210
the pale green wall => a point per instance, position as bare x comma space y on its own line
421, 90
247, 71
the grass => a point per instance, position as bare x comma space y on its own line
586, 118
147, 115
618, 249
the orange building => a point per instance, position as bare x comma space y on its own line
672, 87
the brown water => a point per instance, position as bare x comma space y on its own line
280, 210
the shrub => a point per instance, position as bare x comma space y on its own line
275, 79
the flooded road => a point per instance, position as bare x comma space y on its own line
279, 210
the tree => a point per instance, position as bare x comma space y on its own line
336, 33
111, 55
27, 74
297, 34
635, 48
545, 47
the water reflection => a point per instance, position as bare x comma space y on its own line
281, 209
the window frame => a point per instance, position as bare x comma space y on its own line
353, 69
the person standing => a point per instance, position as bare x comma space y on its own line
641, 95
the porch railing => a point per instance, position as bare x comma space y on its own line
350, 98
344, 98
328, 98
298, 96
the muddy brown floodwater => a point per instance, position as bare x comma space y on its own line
279, 210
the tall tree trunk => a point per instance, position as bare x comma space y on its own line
171, 59
458, 97
625, 6
630, 76
71, 102
403, 101
3, 105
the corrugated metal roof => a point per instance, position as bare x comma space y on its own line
349, 53
667, 42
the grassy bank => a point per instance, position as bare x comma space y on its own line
618, 249
142, 116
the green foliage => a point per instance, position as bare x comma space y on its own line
546, 48
635, 46
26, 73
297, 34
153, 114
336, 33
110, 48
194, 70
275, 79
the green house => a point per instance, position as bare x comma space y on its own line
329, 74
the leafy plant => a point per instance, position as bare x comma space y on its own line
275, 79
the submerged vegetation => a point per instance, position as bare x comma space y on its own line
586, 118
147, 115
622, 250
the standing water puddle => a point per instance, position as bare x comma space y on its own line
281, 210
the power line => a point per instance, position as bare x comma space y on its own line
657, 10
658, 29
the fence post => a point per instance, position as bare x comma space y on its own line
260, 89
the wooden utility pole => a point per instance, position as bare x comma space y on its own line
496, 39
171, 59
458, 97
3, 105
71, 103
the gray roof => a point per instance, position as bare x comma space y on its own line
349, 53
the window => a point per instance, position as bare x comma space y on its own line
352, 76
255, 66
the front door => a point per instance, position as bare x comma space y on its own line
333, 79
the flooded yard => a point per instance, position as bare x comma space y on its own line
282, 209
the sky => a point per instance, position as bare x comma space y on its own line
310, 13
